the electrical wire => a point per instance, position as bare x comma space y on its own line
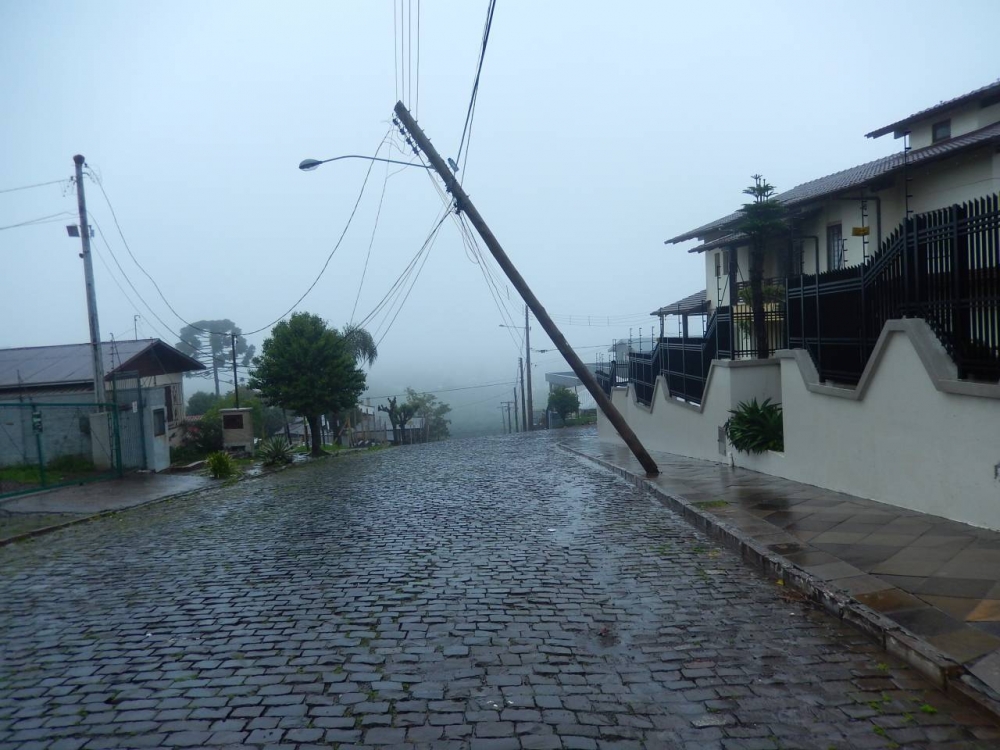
50, 219
371, 241
448, 390
466, 130
315, 281
36, 185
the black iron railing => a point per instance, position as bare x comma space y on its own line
942, 266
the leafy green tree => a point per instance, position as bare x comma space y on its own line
307, 367
214, 349
762, 219
200, 402
432, 411
563, 401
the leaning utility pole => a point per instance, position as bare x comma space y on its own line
88, 273
463, 203
524, 408
530, 421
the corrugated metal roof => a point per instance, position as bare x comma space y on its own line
858, 176
35, 366
692, 304
990, 88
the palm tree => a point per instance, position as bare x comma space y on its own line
360, 343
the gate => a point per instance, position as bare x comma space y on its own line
127, 396
54, 444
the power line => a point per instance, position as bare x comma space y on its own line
315, 281
36, 185
449, 390
371, 241
51, 218
475, 85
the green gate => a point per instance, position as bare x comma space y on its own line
45, 445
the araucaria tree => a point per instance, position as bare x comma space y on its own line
211, 343
762, 219
309, 368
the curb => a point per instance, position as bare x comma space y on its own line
176, 496
943, 671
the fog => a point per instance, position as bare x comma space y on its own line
600, 130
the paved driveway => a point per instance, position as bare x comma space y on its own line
494, 593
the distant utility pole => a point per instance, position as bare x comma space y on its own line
524, 408
464, 203
530, 420
236, 382
88, 273
517, 425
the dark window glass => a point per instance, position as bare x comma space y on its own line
159, 422
168, 399
232, 422
941, 131
834, 247
718, 265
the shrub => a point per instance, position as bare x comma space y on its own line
221, 465
275, 450
756, 428
198, 439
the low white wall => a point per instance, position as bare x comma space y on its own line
675, 426
910, 434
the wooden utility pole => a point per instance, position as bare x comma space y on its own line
517, 423
464, 203
524, 408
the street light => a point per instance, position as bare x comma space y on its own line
308, 165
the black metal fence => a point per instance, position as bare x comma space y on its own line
774, 318
942, 266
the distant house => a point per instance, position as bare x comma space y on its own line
46, 376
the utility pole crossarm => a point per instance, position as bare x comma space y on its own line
464, 203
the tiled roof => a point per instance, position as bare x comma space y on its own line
695, 303
857, 176
35, 366
923, 114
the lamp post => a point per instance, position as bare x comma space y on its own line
308, 165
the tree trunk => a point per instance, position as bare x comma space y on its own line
215, 373
316, 435
757, 302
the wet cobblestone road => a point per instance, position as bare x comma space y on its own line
485, 594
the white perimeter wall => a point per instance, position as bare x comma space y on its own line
910, 434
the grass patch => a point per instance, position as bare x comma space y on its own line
711, 504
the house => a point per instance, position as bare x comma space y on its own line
882, 316
56, 384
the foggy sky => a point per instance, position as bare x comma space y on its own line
601, 130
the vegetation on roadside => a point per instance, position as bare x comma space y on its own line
563, 402
756, 428
221, 465
275, 450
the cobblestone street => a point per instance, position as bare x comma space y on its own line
491, 594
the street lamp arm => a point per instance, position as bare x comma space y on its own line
307, 165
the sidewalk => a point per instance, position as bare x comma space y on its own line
937, 578
25, 514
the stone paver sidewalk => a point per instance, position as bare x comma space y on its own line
28, 513
937, 578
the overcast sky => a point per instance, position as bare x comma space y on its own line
601, 129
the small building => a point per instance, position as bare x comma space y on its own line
48, 391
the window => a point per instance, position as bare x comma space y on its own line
834, 247
941, 131
159, 422
168, 399
232, 421
718, 265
